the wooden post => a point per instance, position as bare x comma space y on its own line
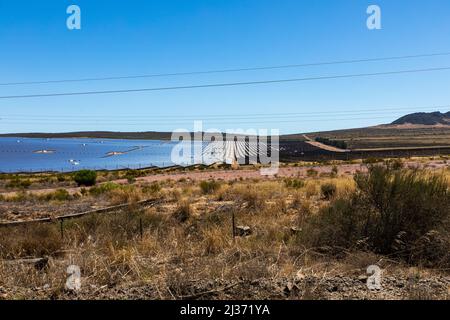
61, 224
141, 229
233, 224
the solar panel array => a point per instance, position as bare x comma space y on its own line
240, 151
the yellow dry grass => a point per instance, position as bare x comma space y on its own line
187, 240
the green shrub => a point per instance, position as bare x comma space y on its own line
209, 187
58, 195
312, 172
61, 177
85, 178
103, 188
152, 188
328, 190
131, 175
16, 182
294, 183
391, 212
334, 143
25, 183
131, 180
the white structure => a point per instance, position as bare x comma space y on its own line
231, 151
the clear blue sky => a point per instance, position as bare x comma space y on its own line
120, 38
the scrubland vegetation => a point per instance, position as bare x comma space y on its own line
335, 143
299, 237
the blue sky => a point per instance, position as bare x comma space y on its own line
120, 38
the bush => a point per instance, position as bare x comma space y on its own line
183, 212
16, 182
209, 187
391, 212
60, 177
334, 143
294, 183
328, 190
103, 188
152, 188
58, 195
85, 178
125, 194
395, 164
131, 176
40, 240
311, 172
254, 199
334, 171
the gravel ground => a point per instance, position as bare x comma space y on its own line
308, 287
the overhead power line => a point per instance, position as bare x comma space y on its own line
217, 123
229, 84
175, 120
274, 117
289, 66
358, 111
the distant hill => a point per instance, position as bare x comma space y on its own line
146, 135
412, 130
149, 135
423, 118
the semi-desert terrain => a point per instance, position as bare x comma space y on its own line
309, 232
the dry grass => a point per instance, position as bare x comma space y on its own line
126, 195
183, 211
185, 244
312, 188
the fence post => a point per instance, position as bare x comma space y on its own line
141, 229
61, 223
233, 224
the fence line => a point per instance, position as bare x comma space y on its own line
148, 202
